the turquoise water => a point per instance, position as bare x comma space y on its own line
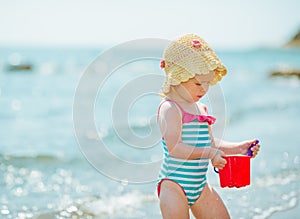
46, 171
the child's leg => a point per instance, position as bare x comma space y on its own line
209, 205
173, 202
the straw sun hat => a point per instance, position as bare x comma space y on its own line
187, 56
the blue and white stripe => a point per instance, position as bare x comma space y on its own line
189, 174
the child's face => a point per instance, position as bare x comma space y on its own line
196, 87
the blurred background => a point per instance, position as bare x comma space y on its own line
46, 46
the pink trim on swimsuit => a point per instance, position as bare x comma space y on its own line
160, 182
188, 117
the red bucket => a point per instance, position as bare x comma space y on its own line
236, 172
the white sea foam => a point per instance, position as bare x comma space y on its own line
290, 202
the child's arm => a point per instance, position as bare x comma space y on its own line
232, 147
235, 147
170, 124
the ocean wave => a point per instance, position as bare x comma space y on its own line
132, 204
283, 178
260, 109
4, 158
287, 182
290, 202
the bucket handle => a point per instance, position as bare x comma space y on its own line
216, 170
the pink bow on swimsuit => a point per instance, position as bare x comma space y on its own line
188, 117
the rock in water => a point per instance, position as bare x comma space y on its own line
295, 41
286, 72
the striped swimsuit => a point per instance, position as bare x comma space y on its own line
190, 175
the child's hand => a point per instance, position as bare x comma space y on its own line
218, 161
244, 146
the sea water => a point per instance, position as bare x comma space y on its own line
46, 171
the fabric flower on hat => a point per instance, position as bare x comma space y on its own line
162, 64
196, 43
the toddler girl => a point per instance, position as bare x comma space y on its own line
191, 66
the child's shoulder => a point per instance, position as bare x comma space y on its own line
168, 107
